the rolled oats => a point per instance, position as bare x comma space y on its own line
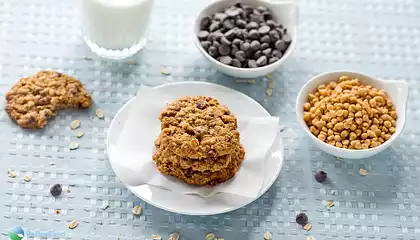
27, 178
363, 172
11, 173
136, 210
165, 71
307, 227
80, 134
73, 146
75, 124
267, 236
174, 236
329, 204
100, 113
73, 224
210, 236
156, 237
269, 92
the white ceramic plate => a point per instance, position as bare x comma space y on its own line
240, 105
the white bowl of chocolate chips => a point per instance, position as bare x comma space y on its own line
248, 38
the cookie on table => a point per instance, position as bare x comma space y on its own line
34, 100
198, 127
196, 177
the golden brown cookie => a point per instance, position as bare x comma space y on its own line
207, 177
34, 100
198, 127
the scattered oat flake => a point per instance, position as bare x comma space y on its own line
68, 190
220, 239
269, 92
329, 204
333, 192
267, 236
131, 62
105, 205
100, 113
165, 71
75, 124
210, 236
310, 238
52, 163
307, 227
87, 58
156, 237
136, 210
363, 172
73, 224
174, 236
57, 211
73, 146
80, 134
27, 178
339, 158
249, 81
11, 173
271, 83
269, 76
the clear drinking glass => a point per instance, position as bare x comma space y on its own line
115, 29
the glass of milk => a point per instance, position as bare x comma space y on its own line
115, 29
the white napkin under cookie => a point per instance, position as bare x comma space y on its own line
135, 146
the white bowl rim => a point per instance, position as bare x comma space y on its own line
299, 114
288, 52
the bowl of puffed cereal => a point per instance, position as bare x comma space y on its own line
352, 115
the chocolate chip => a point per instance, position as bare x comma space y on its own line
236, 63
257, 54
240, 55
254, 35
213, 51
214, 36
320, 176
238, 4
255, 45
237, 42
245, 46
252, 25
274, 35
224, 50
273, 60
56, 190
202, 35
233, 11
264, 30
279, 31
216, 44
264, 46
247, 10
252, 63
214, 26
286, 38
271, 23
265, 39
276, 53
267, 52
280, 45
226, 60
234, 50
302, 219
225, 41
205, 23
205, 44
240, 23
231, 34
228, 24
262, 61
255, 18
267, 15
220, 16
262, 9
201, 105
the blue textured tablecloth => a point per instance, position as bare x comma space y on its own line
378, 37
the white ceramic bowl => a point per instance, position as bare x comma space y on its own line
396, 90
285, 12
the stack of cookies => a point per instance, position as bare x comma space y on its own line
199, 142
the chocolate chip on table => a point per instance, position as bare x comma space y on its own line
225, 41
262, 61
302, 219
255, 45
266, 39
56, 190
202, 35
226, 60
320, 176
224, 50
264, 30
205, 44
240, 55
252, 25
254, 34
252, 63
280, 45
236, 63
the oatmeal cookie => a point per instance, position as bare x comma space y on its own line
207, 177
198, 127
34, 100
